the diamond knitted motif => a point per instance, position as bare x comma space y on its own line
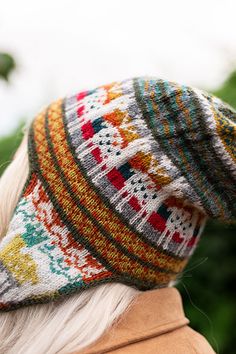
122, 180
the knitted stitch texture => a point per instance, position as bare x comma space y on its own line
122, 180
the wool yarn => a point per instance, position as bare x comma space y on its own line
122, 180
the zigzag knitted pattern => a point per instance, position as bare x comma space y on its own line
122, 180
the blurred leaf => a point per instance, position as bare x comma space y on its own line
7, 64
228, 90
8, 145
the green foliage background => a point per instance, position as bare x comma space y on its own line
208, 283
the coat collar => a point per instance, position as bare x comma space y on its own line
152, 313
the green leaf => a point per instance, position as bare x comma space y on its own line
7, 65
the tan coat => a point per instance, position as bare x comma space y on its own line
155, 323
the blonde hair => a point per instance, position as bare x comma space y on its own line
65, 326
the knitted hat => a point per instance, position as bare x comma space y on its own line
122, 179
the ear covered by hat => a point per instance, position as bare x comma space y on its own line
122, 180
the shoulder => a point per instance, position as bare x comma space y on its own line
178, 341
198, 341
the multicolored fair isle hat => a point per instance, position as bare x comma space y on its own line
122, 180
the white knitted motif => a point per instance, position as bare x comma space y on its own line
180, 221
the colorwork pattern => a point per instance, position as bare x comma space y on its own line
122, 180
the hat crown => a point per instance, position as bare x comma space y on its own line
196, 130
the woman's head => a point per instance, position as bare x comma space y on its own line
112, 184
119, 190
